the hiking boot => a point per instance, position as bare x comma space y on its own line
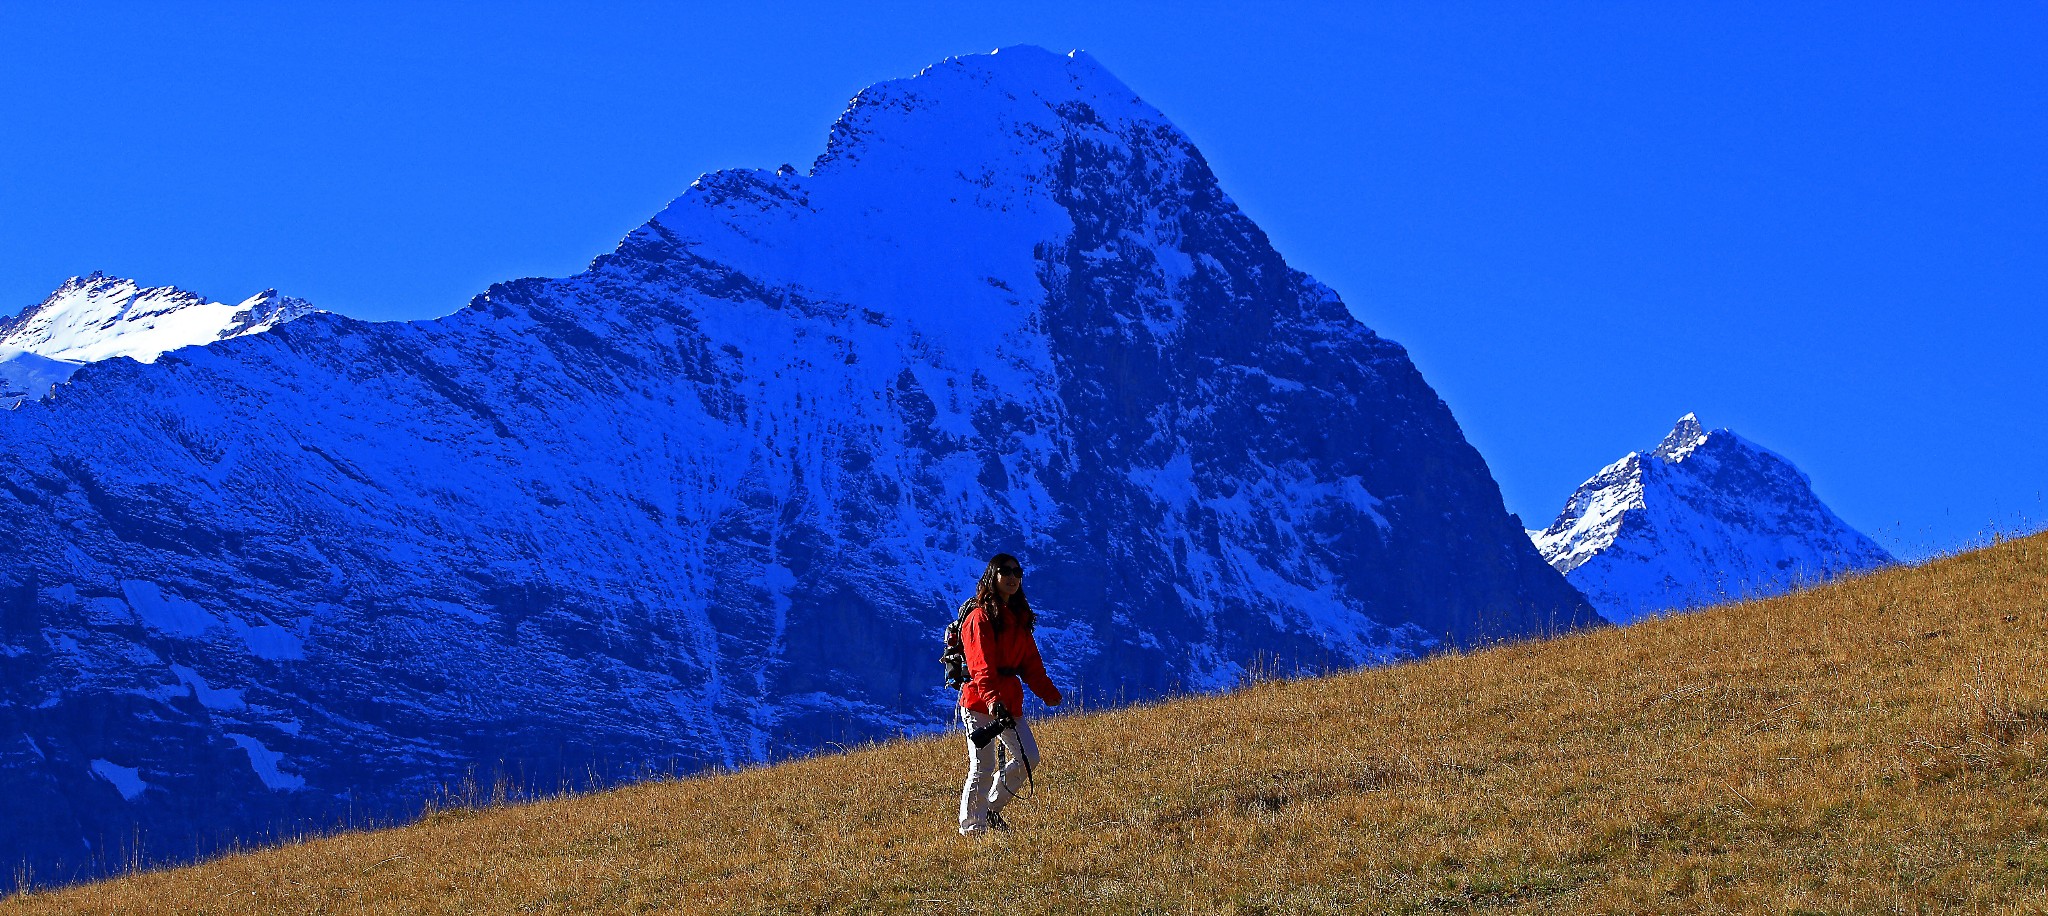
996, 822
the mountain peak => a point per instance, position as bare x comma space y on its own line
981, 113
1715, 517
98, 281
1033, 68
99, 316
1685, 436
955, 184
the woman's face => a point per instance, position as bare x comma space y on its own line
1009, 579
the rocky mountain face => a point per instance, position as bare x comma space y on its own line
1704, 518
98, 317
712, 500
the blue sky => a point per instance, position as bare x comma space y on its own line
1823, 227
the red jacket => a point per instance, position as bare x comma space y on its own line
989, 654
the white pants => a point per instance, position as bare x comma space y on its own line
978, 797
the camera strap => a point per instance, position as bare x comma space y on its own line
1029, 779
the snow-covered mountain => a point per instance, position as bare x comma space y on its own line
1703, 518
98, 317
713, 500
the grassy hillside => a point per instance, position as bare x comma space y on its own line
1875, 745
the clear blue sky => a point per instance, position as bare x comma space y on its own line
1824, 227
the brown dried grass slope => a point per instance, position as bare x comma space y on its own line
1872, 745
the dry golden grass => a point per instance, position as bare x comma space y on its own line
1871, 746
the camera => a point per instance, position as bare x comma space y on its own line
983, 735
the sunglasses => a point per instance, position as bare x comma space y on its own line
1009, 572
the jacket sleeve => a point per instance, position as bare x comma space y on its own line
1034, 673
975, 640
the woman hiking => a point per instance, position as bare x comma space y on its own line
995, 635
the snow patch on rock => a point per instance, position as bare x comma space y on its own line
125, 780
265, 762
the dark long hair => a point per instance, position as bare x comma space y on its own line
990, 598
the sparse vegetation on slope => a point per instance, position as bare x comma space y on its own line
1872, 745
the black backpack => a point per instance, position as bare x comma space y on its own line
955, 657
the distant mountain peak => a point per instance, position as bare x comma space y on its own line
80, 282
99, 316
1702, 518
